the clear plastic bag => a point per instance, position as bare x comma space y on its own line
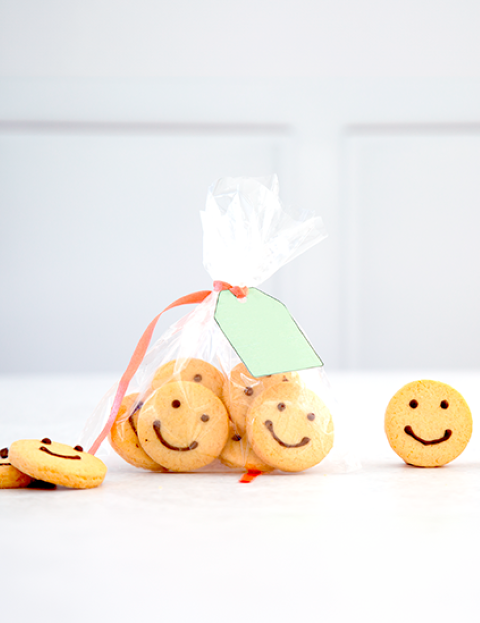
192, 403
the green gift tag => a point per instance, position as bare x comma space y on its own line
263, 333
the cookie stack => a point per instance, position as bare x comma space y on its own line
192, 414
33, 461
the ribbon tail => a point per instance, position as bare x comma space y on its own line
250, 476
136, 360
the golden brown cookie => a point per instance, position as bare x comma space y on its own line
123, 435
57, 463
289, 427
238, 453
241, 389
183, 426
428, 423
194, 370
11, 477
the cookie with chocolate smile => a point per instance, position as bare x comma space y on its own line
428, 423
183, 426
57, 463
289, 427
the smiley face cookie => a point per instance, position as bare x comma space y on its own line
123, 435
194, 370
428, 423
289, 427
57, 463
238, 453
241, 389
183, 426
10, 476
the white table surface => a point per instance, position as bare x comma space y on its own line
360, 537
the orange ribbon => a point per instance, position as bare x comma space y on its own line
250, 476
141, 349
240, 293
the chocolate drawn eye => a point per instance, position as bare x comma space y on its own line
413, 403
444, 404
78, 448
176, 404
311, 417
281, 406
205, 417
248, 391
46, 441
197, 378
236, 438
4, 453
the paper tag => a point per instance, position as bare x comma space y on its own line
263, 333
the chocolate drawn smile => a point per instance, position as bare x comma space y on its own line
303, 442
157, 426
60, 456
131, 421
426, 442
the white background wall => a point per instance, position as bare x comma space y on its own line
116, 117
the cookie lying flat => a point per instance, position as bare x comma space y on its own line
10, 476
183, 426
238, 453
428, 423
241, 389
57, 463
194, 370
123, 436
289, 427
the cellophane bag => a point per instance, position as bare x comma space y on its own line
192, 403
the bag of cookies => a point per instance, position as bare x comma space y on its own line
234, 382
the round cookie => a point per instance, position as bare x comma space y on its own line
183, 426
11, 477
238, 453
57, 463
428, 423
194, 370
289, 427
123, 436
241, 389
